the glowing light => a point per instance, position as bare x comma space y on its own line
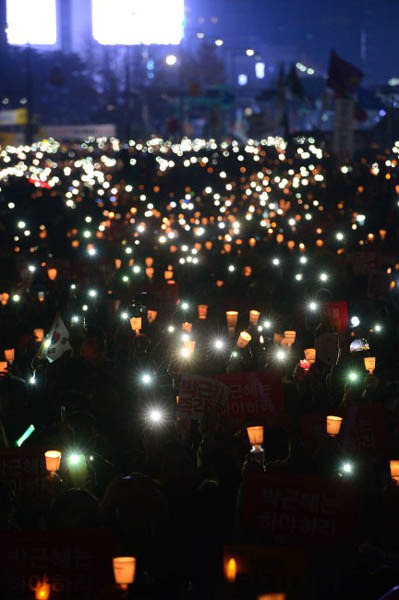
313, 306
347, 468
242, 79
250, 52
281, 355
353, 376
377, 328
75, 459
171, 60
260, 70
323, 277
146, 378
219, 344
355, 321
31, 22
339, 236
135, 22
185, 306
155, 416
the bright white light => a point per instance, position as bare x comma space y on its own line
232, 268
184, 306
250, 52
312, 306
280, 355
146, 378
171, 60
219, 344
21, 224
347, 468
242, 79
32, 22
92, 293
219, 42
361, 219
353, 376
355, 321
303, 260
32, 380
124, 316
267, 324
340, 236
323, 276
171, 329
75, 459
155, 416
134, 22
276, 262
377, 328
260, 70
75, 319
32, 268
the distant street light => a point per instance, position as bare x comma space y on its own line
171, 60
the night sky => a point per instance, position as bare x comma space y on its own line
362, 31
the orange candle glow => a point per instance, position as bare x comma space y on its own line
38, 334
9, 355
243, 339
254, 317
333, 425
202, 311
53, 460
124, 570
52, 274
255, 435
369, 364
232, 318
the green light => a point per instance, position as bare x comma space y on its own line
353, 377
75, 459
25, 435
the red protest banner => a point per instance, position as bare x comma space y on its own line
337, 314
77, 564
237, 399
363, 428
201, 394
23, 469
280, 507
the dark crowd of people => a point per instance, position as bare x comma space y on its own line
143, 284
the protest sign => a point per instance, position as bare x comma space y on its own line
363, 428
280, 507
77, 564
23, 469
237, 399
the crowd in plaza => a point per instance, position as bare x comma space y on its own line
159, 300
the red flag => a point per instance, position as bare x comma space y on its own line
343, 77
